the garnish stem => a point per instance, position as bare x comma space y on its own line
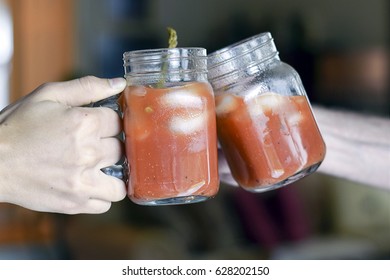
172, 43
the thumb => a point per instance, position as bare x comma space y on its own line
81, 91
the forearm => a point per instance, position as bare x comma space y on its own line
5, 152
358, 146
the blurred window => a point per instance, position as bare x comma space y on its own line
6, 50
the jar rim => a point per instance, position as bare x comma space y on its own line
174, 62
241, 47
172, 52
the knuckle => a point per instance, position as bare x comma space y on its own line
84, 121
44, 89
73, 183
75, 196
88, 83
89, 157
47, 86
87, 179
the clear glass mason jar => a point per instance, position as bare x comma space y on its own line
265, 124
170, 127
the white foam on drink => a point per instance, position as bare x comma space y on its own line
182, 98
193, 189
259, 108
138, 91
270, 100
294, 138
187, 125
226, 104
294, 118
258, 105
276, 173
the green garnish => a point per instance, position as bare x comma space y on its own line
172, 43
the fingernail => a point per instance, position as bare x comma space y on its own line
117, 83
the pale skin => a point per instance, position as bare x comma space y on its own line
52, 148
358, 147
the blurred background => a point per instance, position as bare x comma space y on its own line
339, 47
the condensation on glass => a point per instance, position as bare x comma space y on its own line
265, 123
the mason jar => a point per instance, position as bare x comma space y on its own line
265, 124
170, 127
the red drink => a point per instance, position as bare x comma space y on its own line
268, 140
171, 143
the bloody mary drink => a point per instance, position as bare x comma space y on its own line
268, 139
171, 143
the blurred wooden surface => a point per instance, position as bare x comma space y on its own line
43, 43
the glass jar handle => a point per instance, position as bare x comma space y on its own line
120, 169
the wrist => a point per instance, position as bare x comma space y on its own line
5, 174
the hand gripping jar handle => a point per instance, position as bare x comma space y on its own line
120, 169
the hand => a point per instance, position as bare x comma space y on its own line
52, 150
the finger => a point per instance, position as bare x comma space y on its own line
111, 123
101, 122
95, 206
111, 151
81, 91
107, 188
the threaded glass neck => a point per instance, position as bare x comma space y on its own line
241, 59
171, 65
